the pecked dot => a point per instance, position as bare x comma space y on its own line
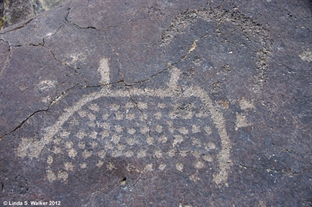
199, 165
83, 165
86, 154
179, 167
68, 166
163, 139
118, 128
104, 134
142, 105
119, 115
208, 130
94, 144
195, 129
131, 131
183, 130
94, 107
161, 167
149, 140
196, 142
101, 154
91, 116
158, 154
141, 154
69, 144
64, 134
210, 146
114, 107
158, 115
82, 113
131, 141
161, 105
144, 130
116, 153
105, 116
115, 138
62, 175
93, 135
50, 160
100, 163
171, 153
72, 153
108, 146
81, 134
81, 145
207, 158
158, 128
148, 167
128, 153
130, 116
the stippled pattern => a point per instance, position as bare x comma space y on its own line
112, 123
140, 123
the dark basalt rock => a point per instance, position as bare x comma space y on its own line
15, 11
158, 103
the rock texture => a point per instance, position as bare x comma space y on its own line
15, 11
158, 103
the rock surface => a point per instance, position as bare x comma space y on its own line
15, 11
158, 103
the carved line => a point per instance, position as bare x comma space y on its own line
217, 117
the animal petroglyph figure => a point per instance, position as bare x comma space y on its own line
157, 126
139, 123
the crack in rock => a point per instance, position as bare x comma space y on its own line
18, 26
59, 97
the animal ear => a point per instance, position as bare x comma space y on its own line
174, 77
104, 71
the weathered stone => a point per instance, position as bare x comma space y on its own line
15, 11
158, 103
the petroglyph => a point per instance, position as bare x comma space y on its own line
241, 121
112, 133
245, 104
46, 86
104, 71
306, 55
169, 124
246, 25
